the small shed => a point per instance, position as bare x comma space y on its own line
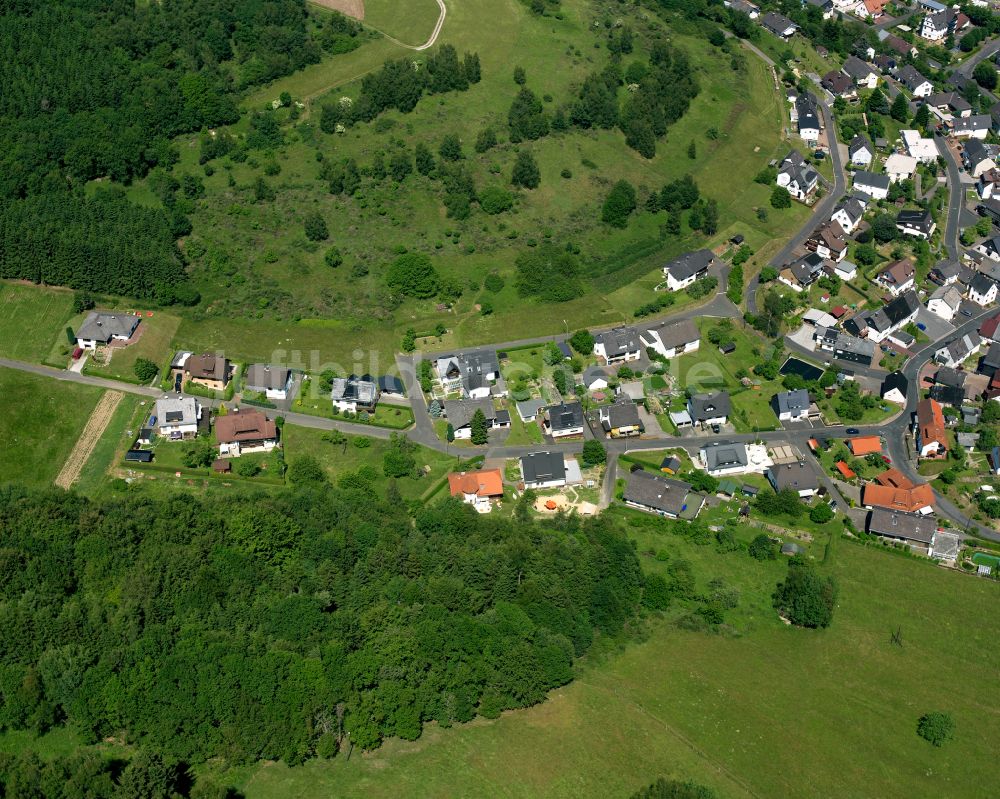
671, 464
145, 436
791, 548
846, 471
139, 456
222, 465
749, 490
727, 348
728, 487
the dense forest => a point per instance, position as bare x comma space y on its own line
285, 626
96, 89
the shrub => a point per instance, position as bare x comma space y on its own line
619, 204
145, 369
594, 453
495, 200
936, 727
315, 227
413, 274
806, 598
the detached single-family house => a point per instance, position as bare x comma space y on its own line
103, 327
895, 388
897, 277
864, 445
989, 247
801, 274
686, 269
870, 9
861, 73
564, 419
976, 126
722, 458
988, 330
529, 409
177, 417
543, 470
353, 394
825, 6
988, 184
861, 150
944, 302
845, 270
779, 25
976, 158
797, 476
663, 496
848, 214
923, 149
828, 241
875, 186
460, 412
808, 123
900, 167
929, 430
899, 46
470, 373
945, 273
210, 371
908, 528
947, 105
618, 346
595, 378
241, 431
709, 409
390, 385
916, 83
877, 325
271, 381
621, 418
743, 7
792, 405
671, 339
478, 488
839, 84
939, 25
908, 498
797, 176
982, 290
989, 364
917, 223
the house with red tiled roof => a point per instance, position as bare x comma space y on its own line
477, 488
915, 499
865, 445
929, 430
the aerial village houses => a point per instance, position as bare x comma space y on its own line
801, 274
897, 277
709, 409
849, 213
945, 302
620, 419
565, 419
878, 324
102, 328
779, 25
808, 123
797, 476
861, 151
976, 159
792, 405
917, 223
547, 470
916, 83
976, 126
907, 528
460, 412
900, 167
861, 73
895, 388
875, 186
923, 149
844, 347
828, 242
686, 269
241, 432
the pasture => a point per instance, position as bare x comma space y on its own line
30, 318
256, 269
762, 710
41, 421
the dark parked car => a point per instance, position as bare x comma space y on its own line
852, 431
177, 382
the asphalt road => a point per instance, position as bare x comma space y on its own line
956, 198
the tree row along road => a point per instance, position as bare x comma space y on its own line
895, 431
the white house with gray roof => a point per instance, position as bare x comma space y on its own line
271, 381
709, 409
177, 417
103, 327
875, 186
471, 373
618, 346
686, 269
671, 339
662, 496
792, 405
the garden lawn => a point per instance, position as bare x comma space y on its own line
118, 437
411, 22
338, 459
30, 318
772, 711
395, 417
154, 344
40, 422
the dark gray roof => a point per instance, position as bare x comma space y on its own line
592, 373
948, 376
677, 334
860, 142
980, 283
472, 367
656, 492
263, 376
619, 341
565, 416
910, 78
543, 467
857, 68
623, 413
798, 476
896, 380
972, 123
908, 526
722, 455
797, 400
104, 325
913, 217
777, 23
460, 412
863, 178
709, 406
391, 384
974, 151
992, 357
690, 263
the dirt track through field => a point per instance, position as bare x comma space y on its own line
96, 425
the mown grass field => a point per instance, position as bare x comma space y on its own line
154, 344
30, 318
41, 421
411, 22
265, 285
765, 711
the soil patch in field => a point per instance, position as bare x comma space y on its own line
88, 439
349, 8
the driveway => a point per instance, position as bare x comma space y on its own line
937, 327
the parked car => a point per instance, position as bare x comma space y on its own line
177, 382
833, 505
852, 431
77, 352
887, 459
921, 326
